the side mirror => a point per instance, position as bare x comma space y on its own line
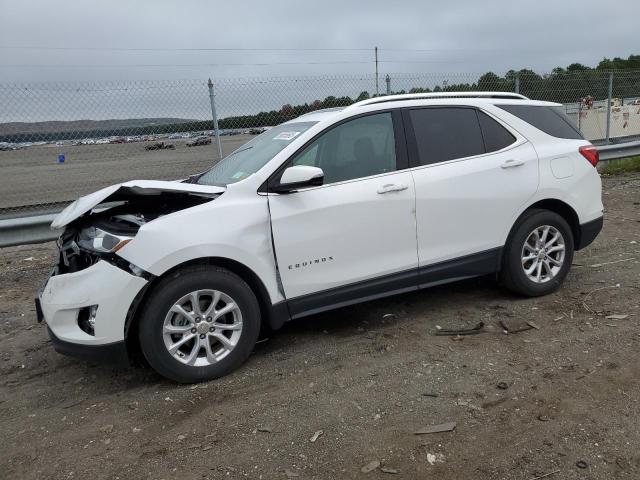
299, 176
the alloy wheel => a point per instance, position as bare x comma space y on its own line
543, 254
202, 327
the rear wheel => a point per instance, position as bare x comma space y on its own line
538, 254
199, 324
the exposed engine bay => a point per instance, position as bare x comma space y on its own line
109, 226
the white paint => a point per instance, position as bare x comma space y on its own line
562, 167
110, 287
300, 174
345, 232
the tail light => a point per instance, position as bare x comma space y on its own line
590, 153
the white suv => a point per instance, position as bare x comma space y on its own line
340, 206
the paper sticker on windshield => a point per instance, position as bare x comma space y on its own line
286, 136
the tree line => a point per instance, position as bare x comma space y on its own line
562, 85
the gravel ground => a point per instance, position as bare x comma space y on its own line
365, 377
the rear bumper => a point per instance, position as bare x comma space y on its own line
113, 353
588, 232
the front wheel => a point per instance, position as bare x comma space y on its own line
199, 323
538, 254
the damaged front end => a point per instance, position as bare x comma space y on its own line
97, 226
86, 300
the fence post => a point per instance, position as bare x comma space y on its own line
388, 80
580, 115
215, 117
609, 98
517, 86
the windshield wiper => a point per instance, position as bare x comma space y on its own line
240, 151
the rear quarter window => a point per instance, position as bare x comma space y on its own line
551, 120
495, 136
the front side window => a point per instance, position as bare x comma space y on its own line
253, 155
445, 133
358, 148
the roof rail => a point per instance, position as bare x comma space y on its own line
431, 95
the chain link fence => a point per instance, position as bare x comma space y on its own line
62, 140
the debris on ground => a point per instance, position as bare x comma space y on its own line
389, 470
435, 458
370, 467
582, 464
443, 427
616, 317
430, 394
316, 435
461, 331
546, 475
596, 265
502, 385
515, 326
264, 429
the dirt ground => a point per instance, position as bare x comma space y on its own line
34, 176
367, 377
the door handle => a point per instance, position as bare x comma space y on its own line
392, 187
512, 163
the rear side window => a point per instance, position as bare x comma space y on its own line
443, 134
495, 136
551, 120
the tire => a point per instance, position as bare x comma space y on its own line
515, 268
161, 316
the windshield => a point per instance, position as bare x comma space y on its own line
253, 155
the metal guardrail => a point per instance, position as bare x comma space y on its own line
26, 230
619, 151
18, 229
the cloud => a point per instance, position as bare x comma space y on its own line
460, 36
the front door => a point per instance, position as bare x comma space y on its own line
354, 237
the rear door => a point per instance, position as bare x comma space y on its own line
353, 237
472, 173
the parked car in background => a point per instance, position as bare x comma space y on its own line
199, 141
160, 146
336, 207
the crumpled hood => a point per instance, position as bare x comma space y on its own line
124, 191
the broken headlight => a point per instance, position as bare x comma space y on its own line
98, 240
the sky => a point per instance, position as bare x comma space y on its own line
97, 40
177, 45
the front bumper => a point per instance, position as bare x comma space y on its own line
111, 288
112, 353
